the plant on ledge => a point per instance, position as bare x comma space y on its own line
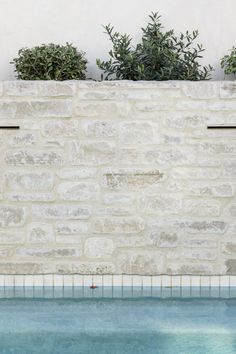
159, 56
50, 62
228, 62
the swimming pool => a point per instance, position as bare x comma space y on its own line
82, 321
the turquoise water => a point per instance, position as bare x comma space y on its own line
139, 325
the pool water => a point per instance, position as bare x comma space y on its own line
117, 326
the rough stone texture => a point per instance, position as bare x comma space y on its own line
78, 191
117, 178
98, 247
40, 233
33, 181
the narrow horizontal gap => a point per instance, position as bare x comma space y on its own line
221, 127
9, 127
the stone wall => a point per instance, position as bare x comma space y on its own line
117, 177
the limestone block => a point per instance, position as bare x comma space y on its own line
30, 181
98, 247
72, 228
102, 109
228, 89
60, 211
118, 225
160, 204
38, 88
202, 227
40, 233
85, 268
74, 173
136, 133
34, 158
60, 128
202, 207
93, 153
131, 178
141, 262
78, 191
201, 90
99, 129
13, 216
48, 252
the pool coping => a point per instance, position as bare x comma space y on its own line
76, 280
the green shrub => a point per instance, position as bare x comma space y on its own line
159, 56
228, 62
50, 62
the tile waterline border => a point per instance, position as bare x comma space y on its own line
162, 281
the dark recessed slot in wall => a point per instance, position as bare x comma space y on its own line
221, 127
9, 127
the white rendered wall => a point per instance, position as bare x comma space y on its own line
32, 22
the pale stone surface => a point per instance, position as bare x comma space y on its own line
40, 233
160, 204
12, 237
200, 254
33, 181
113, 210
166, 239
22, 139
140, 262
218, 148
118, 225
191, 268
127, 178
200, 90
188, 122
230, 266
74, 173
99, 129
92, 153
75, 228
78, 191
42, 158
153, 107
202, 207
13, 216
38, 88
223, 105
22, 268
170, 156
118, 199
48, 252
229, 168
98, 247
231, 210
85, 268
199, 243
215, 190
60, 211
36, 109
196, 173
211, 227
133, 241
31, 197
136, 133
100, 109
228, 90
196, 105
117, 177
59, 128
